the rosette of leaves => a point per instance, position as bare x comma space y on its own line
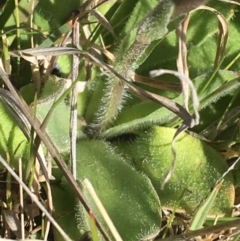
110, 107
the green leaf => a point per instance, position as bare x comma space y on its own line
58, 124
12, 140
128, 197
198, 168
137, 46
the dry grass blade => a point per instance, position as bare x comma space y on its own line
13, 108
103, 21
158, 84
228, 170
222, 35
228, 1
185, 81
13, 223
74, 98
101, 209
169, 174
169, 104
41, 53
182, 47
182, 56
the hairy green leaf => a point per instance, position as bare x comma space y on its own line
128, 197
198, 168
